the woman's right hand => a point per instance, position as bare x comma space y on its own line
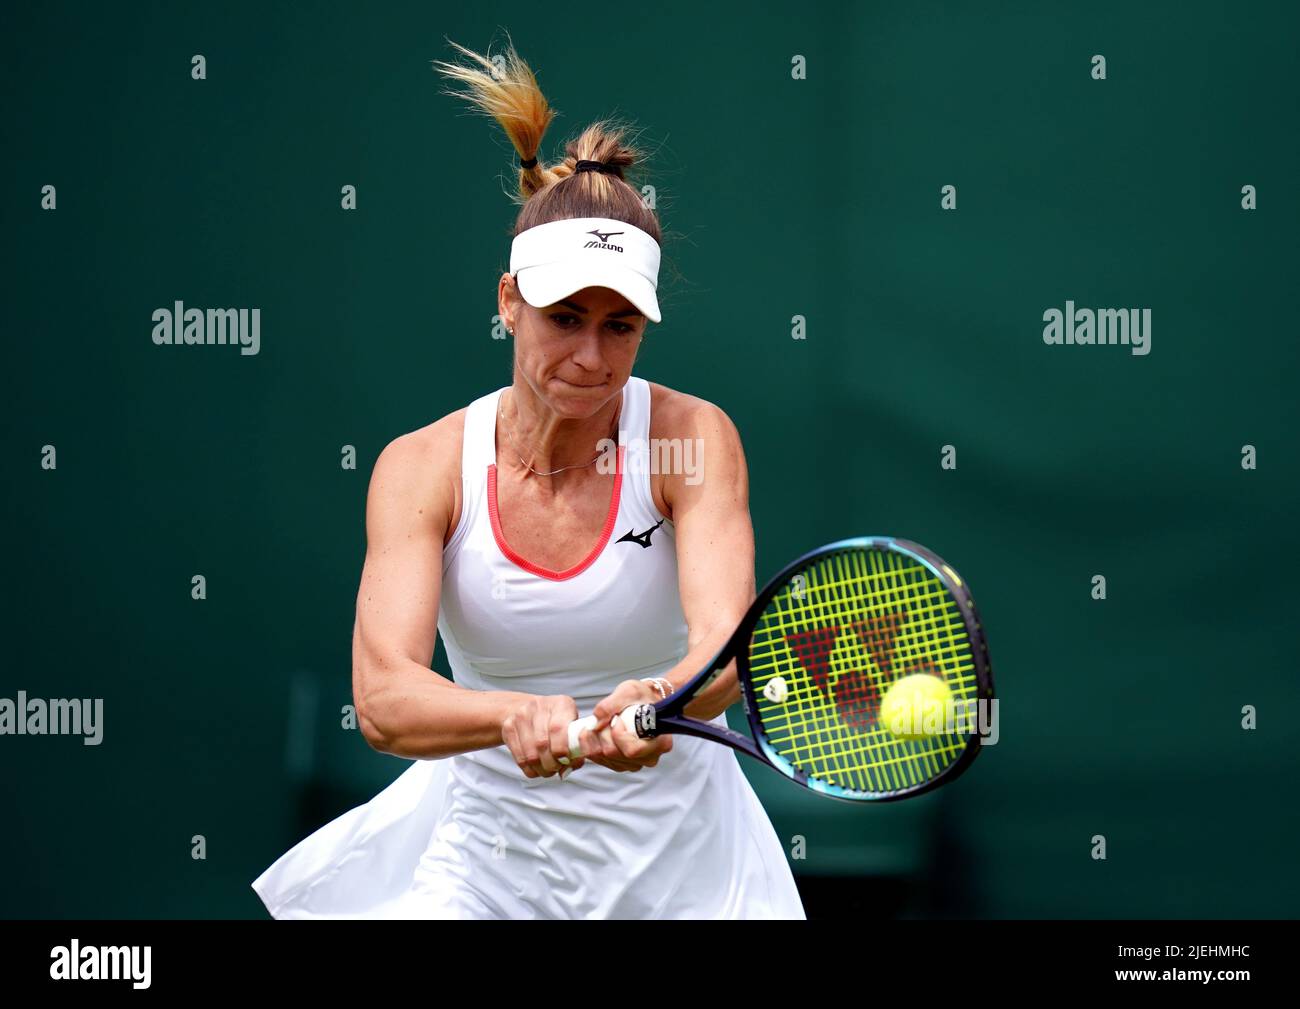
537, 733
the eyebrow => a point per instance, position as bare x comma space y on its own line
613, 315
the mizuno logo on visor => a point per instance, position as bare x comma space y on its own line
604, 241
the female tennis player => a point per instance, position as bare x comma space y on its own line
568, 574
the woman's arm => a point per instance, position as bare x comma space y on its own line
403, 707
715, 552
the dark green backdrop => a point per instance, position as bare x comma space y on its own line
818, 198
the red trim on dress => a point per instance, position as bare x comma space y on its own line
537, 569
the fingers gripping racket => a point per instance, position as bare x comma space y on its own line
815, 654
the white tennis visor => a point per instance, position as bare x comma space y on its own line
552, 261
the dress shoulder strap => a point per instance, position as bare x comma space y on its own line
477, 451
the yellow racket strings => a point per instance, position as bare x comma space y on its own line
833, 639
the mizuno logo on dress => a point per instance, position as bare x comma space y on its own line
604, 241
641, 538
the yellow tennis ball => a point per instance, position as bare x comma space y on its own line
917, 707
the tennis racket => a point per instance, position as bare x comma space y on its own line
814, 655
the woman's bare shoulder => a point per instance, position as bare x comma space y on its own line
423, 467
426, 450
676, 414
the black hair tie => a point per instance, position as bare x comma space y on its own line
530, 163
595, 166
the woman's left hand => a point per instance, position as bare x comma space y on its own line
622, 750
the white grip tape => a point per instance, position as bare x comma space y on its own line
627, 716
577, 726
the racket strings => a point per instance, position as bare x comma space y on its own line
845, 754
837, 635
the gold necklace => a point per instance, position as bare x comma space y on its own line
502, 413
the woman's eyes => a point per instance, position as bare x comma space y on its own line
559, 319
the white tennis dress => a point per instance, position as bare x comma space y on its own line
470, 836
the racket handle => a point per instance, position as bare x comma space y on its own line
627, 716
577, 726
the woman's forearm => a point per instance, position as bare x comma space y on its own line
416, 713
724, 689
717, 697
